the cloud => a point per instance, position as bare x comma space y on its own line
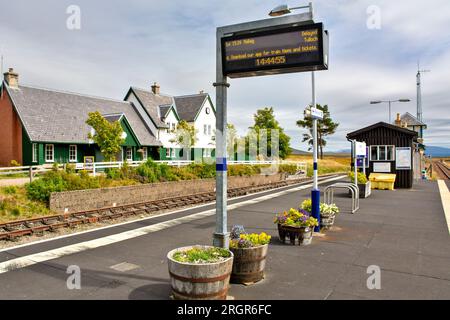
173, 42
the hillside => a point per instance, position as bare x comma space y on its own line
437, 151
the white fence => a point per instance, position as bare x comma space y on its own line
97, 167
30, 171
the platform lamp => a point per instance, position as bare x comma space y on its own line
389, 101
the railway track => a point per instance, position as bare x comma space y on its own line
442, 170
37, 226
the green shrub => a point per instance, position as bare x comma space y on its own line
149, 171
58, 181
113, 173
166, 173
183, 174
40, 189
16, 211
126, 171
362, 179
10, 190
243, 170
70, 168
287, 168
202, 170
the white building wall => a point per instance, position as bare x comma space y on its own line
208, 120
164, 136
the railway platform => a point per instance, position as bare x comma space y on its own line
404, 232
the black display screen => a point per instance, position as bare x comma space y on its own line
292, 49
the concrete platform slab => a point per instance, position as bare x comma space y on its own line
409, 242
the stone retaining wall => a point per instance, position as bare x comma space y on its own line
81, 200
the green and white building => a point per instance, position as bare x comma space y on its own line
163, 112
45, 126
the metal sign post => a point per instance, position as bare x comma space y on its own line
315, 192
285, 44
221, 235
355, 159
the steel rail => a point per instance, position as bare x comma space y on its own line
442, 170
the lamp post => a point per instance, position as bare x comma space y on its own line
315, 192
389, 102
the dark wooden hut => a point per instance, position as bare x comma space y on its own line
389, 149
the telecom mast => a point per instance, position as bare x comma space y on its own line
419, 92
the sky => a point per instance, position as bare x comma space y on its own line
374, 50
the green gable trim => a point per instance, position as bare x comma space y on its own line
27, 152
131, 140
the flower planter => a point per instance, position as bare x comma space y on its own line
199, 281
302, 234
249, 264
364, 190
326, 221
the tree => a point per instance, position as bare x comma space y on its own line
265, 119
108, 135
325, 127
185, 135
308, 137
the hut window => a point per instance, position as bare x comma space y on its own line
373, 152
382, 153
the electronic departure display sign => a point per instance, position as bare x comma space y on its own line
283, 50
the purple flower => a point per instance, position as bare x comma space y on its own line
306, 213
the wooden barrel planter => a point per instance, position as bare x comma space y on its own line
249, 264
202, 281
326, 221
302, 234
